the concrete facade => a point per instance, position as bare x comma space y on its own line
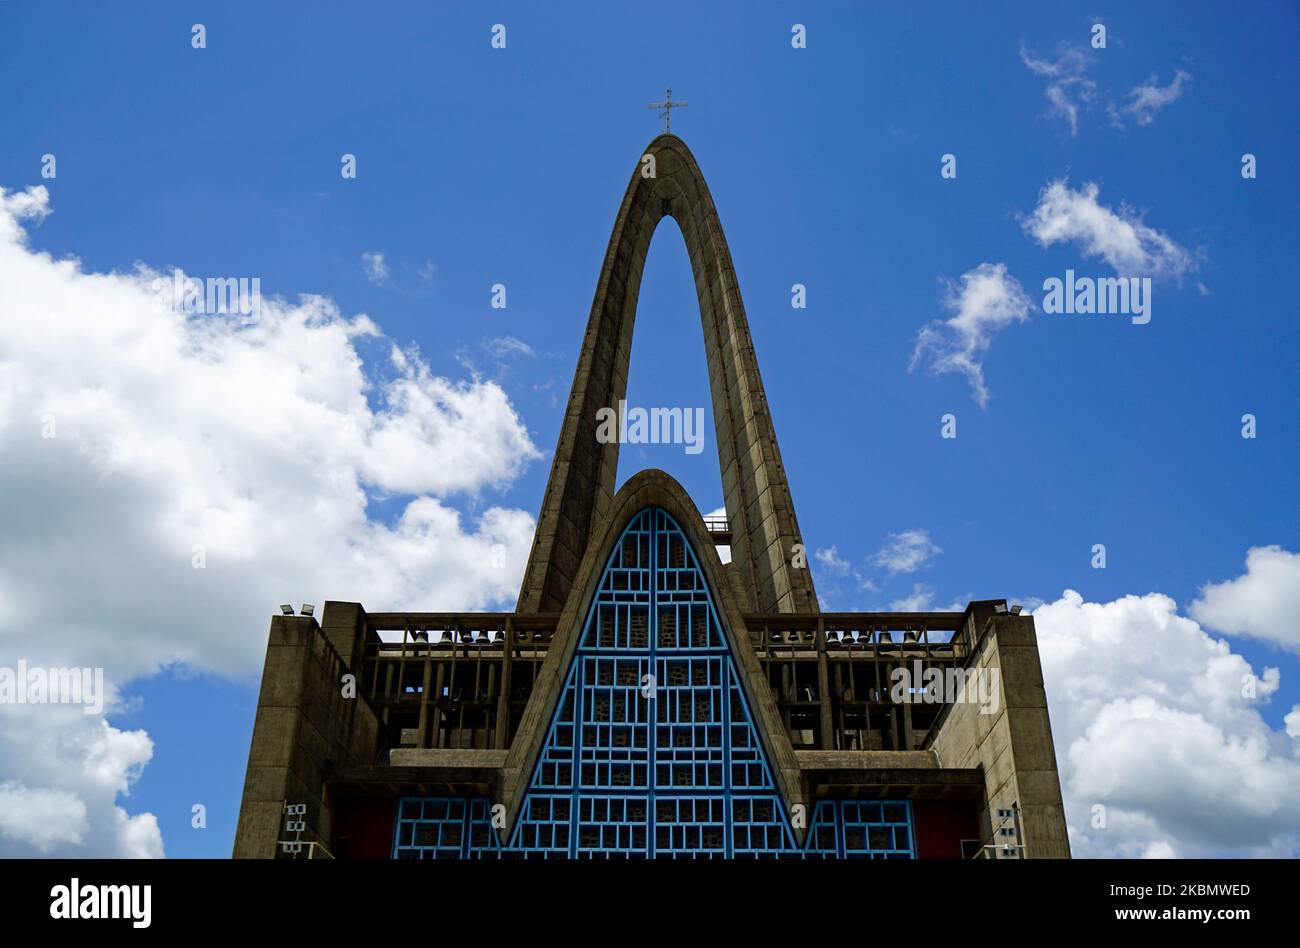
1013, 747
304, 729
369, 707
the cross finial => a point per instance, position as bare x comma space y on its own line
666, 108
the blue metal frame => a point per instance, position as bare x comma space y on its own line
652, 749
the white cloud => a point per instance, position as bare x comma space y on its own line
71, 769
256, 443
1292, 724
1069, 90
1119, 237
902, 553
375, 268
440, 436
505, 346
42, 819
907, 552
831, 569
986, 299
830, 558
1263, 604
1151, 721
921, 599
1147, 99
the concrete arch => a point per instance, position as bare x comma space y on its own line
580, 490
649, 488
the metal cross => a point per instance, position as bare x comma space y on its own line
666, 108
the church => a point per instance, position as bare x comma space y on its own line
646, 699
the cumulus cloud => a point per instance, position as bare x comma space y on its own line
1292, 724
1158, 723
155, 458
985, 300
1069, 90
42, 819
1263, 604
375, 268
71, 769
1149, 98
441, 436
1118, 236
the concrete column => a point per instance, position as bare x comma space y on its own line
303, 729
1009, 736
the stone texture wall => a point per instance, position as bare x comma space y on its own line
303, 730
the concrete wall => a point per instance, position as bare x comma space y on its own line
304, 729
1013, 744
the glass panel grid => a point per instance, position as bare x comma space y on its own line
652, 750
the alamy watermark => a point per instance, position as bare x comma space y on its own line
131, 902
23, 685
213, 296
1107, 296
651, 426
933, 685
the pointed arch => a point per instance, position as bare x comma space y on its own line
651, 489
580, 490
652, 748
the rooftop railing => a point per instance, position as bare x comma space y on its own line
462, 680
719, 529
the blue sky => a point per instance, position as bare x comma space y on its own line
479, 166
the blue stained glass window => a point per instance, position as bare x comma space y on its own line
652, 750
